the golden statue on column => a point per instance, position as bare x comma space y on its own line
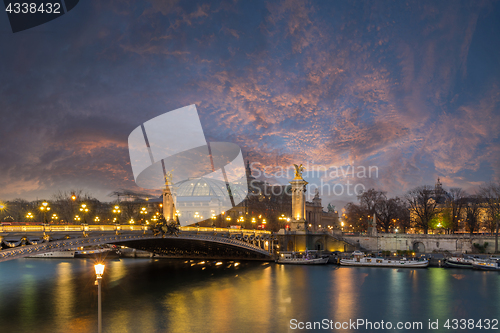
298, 171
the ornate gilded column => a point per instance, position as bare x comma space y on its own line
298, 222
168, 199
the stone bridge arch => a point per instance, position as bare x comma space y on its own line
195, 245
318, 245
418, 246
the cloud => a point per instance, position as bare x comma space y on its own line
288, 81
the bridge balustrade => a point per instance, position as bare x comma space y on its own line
113, 228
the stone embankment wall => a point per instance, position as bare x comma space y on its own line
423, 243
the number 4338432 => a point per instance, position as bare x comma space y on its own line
32, 8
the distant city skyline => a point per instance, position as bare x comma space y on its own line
412, 88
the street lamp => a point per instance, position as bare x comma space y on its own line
29, 216
45, 208
84, 209
54, 217
77, 218
116, 210
143, 211
99, 271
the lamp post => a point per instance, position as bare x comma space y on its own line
45, 208
116, 211
99, 270
29, 216
143, 212
84, 211
73, 199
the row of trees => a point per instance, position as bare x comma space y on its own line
390, 212
425, 208
66, 207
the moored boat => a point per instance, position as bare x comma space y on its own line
359, 259
300, 259
96, 253
459, 262
486, 265
55, 254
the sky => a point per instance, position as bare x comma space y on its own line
409, 87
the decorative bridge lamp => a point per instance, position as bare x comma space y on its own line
99, 270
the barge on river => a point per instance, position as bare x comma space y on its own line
359, 259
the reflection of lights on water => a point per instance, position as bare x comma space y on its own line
236, 264
218, 263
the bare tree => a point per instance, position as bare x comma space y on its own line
67, 204
455, 205
369, 200
356, 216
387, 212
472, 211
423, 203
490, 194
17, 209
403, 218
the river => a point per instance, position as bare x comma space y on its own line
159, 295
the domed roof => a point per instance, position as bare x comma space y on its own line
204, 187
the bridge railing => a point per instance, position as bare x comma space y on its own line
113, 227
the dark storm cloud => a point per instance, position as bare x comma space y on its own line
406, 86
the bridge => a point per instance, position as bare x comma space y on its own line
191, 242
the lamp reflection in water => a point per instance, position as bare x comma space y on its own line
99, 270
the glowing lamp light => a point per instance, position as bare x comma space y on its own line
99, 270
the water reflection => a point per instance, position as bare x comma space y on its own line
63, 293
28, 299
439, 292
143, 295
344, 293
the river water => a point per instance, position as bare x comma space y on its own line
158, 295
